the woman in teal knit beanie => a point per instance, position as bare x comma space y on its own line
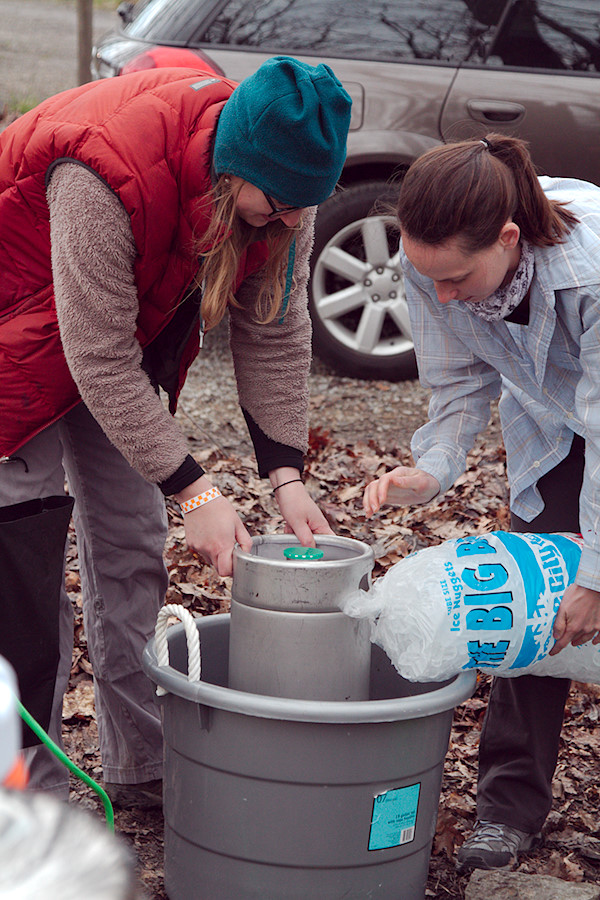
284, 131
278, 151
280, 144
134, 213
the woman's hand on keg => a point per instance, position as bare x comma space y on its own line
212, 530
403, 486
302, 516
578, 618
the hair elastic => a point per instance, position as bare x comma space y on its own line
485, 143
283, 484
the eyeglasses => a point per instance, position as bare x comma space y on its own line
278, 210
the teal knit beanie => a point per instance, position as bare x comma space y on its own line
284, 130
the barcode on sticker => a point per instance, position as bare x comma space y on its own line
407, 835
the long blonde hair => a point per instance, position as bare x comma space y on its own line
220, 249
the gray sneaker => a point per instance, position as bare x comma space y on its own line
493, 845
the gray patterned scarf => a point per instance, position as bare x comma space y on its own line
505, 299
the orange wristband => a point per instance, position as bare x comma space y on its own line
194, 502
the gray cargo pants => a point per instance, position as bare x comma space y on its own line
121, 526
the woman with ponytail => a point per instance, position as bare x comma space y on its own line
135, 212
503, 285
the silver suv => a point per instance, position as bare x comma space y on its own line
419, 74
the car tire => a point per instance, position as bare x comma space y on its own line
356, 292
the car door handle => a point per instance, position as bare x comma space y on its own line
495, 111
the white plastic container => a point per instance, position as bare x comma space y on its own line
10, 723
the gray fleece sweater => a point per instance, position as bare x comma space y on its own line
93, 254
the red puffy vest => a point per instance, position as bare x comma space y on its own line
148, 136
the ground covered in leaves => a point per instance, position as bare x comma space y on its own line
348, 447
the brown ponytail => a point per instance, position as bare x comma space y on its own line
471, 188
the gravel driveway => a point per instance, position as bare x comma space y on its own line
352, 410
38, 47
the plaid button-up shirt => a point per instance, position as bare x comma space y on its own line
547, 373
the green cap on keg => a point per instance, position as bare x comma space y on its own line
303, 553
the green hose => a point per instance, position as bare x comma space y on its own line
47, 740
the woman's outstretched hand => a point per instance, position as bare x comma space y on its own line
403, 486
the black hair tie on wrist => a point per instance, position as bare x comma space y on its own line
283, 484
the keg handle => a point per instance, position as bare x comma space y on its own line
192, 637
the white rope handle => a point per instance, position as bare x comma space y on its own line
192, 636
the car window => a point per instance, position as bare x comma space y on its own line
167, 20
438, 30
550, 34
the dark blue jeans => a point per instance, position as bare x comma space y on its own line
519, 741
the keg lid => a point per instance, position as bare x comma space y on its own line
303, 553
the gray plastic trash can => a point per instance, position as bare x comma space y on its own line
271, 798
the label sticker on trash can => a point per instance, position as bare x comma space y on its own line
394, 817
